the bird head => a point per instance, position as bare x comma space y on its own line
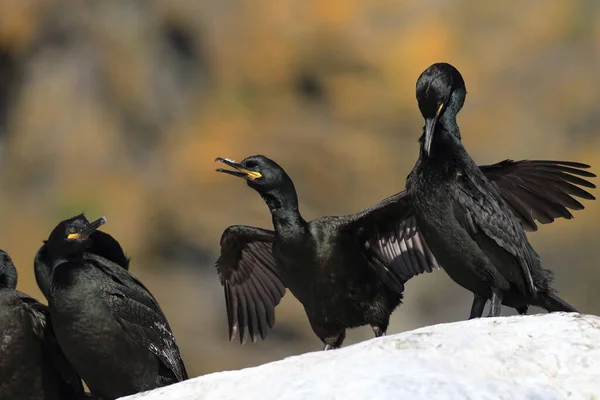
261, 173
267, 178
71, 235
440, 90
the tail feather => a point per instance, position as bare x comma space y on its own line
552, 303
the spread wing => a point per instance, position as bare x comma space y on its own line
253, 287
402, 250
539, 189
486, 217
70, 385
392, 242
534, 189
140, 316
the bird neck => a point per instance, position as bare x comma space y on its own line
55, 258
446, 138
448, 122
8, 277
283, 205
43, 271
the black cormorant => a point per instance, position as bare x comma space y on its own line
320, 261
469, 226
349, 271
99, 243
108, 324
32, 365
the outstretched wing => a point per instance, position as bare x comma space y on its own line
540, 190
535, 190
402, 250
253, 287
392, 242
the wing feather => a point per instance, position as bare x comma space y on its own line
394, 246
541, 190
253, 287
535, 190
140, 315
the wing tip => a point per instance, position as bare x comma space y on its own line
233, 332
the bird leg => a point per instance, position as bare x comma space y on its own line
495, 304
477, 307
378, 331
334, 341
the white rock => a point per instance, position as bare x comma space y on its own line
546, 357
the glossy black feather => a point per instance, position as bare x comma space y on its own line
252, 284
473, 218
483, 214
384, 238
540, 189
32, 365
108, 324
99, 243
398, 250
323, 262
140, 314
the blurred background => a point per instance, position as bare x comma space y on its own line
119, 108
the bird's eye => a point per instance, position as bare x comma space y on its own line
256, 169
71, 230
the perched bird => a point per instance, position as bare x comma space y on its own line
99, 243
320, 261
32, 365
108, 324
348, 271
475, 232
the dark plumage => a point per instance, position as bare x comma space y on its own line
108, 324
32, 365
476, 232
100, 243
320, 261
350, 271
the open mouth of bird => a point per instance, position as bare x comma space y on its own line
238, 169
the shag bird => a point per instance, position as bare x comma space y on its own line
108, 324
32, 365
475, 232
320, 261
99, 243
350, 271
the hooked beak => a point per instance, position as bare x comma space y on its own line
240, 170
83, 235
430, 128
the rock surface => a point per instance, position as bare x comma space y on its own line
550, 356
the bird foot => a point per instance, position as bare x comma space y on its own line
378, 331
477, 307
495, 304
